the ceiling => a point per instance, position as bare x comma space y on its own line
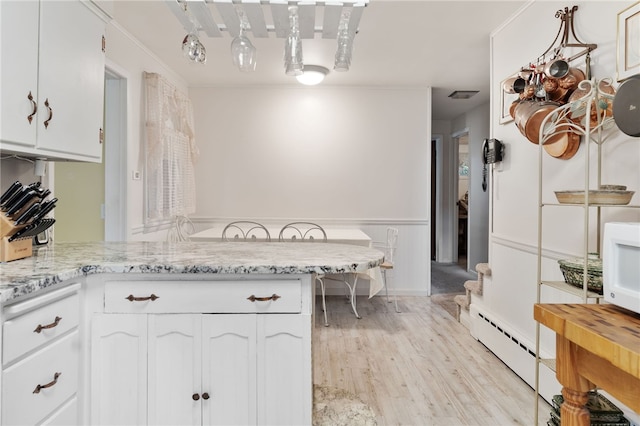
421, 43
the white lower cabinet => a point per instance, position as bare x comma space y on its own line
66, 415
193, 369
202, 351
119, 369
41, 354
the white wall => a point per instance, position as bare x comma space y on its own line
346, 153
130, 59
338, 156
446, 198
478, 124
510, 293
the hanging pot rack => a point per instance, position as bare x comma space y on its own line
565, 38
567, 30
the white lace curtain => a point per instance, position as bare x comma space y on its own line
171, 151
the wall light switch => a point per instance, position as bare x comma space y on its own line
135, 175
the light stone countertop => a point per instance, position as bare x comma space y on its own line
59, 262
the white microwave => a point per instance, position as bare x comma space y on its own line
621, 264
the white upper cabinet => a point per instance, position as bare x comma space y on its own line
19, 76
55, 51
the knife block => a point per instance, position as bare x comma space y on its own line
18, 249
14, 250
7, 227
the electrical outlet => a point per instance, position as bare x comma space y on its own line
135, 175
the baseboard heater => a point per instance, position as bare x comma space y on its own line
514, 350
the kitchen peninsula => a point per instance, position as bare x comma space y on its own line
180, 333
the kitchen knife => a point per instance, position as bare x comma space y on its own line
34, 185
15, 186
41, 226
45, 208
15, 207
27, 214
23, 231
15, 197
33, 229
44, 193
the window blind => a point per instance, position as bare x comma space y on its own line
170, 151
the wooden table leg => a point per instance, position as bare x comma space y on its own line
573, 411
575, 387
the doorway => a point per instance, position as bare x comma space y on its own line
115, 155
462, 142
95, 194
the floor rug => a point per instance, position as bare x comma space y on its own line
337, 407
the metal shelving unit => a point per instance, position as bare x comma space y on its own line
562, 120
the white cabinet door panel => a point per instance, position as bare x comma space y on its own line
119, 370
229, 369
174, 370
284, 376
71, 79
19, 76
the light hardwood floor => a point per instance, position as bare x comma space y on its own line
417, 367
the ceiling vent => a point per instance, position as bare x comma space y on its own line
463, 94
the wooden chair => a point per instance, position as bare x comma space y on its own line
389, 251
244, 230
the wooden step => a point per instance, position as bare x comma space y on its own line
484, 269
473, 286
462, 301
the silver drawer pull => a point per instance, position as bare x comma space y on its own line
41, 327
132, 298
48, 385
273, 297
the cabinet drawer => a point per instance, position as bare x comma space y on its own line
67, 415
203, 296
38, 327
20, 403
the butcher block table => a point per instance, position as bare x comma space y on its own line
596, 345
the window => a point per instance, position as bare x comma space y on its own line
170, 152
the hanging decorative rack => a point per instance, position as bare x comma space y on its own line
266, 16
551, 77
292, 20
567, 31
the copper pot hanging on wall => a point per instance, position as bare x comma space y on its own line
565, 147
529, 115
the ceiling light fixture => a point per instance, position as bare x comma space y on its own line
312, 75
463, 94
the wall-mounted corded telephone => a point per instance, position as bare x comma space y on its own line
492, 152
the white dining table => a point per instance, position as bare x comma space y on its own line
352, 236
